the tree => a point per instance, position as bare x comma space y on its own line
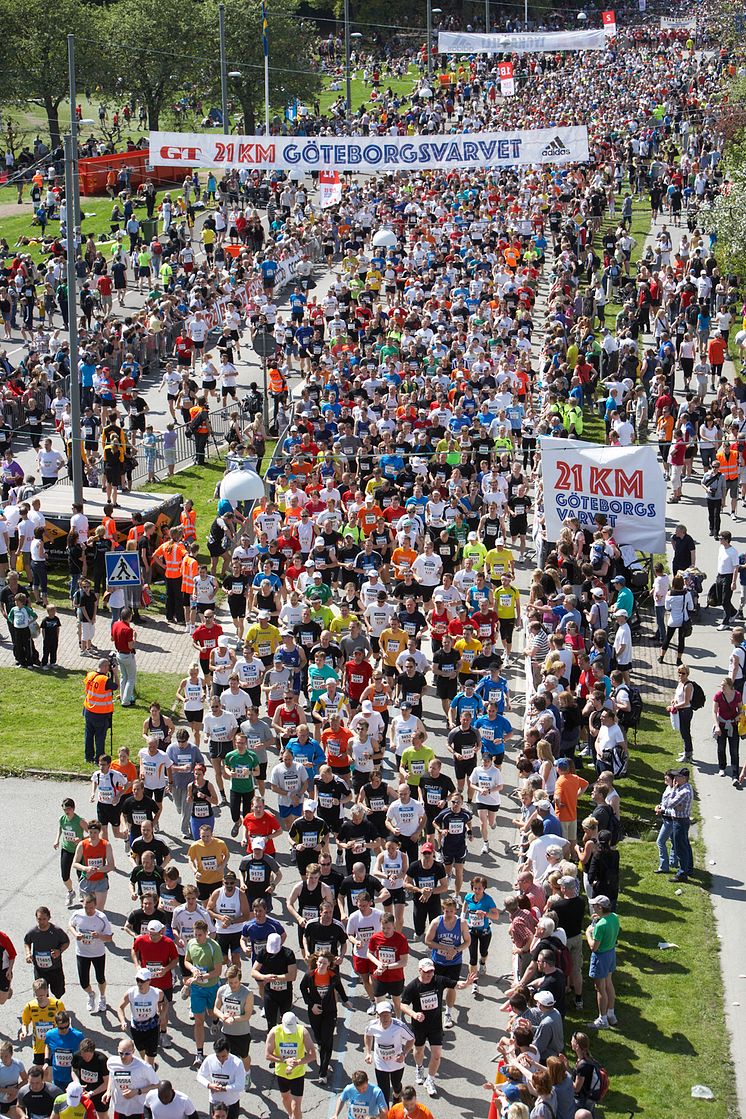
291, 51
159, 50
33, 53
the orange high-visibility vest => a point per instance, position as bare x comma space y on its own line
728, 466
135, 533
99, 696
188, 521
276, 382
111, 529
189, 569
173, 554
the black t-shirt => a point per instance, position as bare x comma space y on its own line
351, 889
447, 662
235, 585
327, 791
424, 877
308, 833
320, 937
412, 687
40, 1103
277, 964
464, 742
333, 880
157, 846
307, 634
433, 790
43, 943
135, 811
556, 982
138, 919
427, 998
90, 1073
571, 915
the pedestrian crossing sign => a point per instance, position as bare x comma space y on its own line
122, 569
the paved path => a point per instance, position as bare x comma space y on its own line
721, 806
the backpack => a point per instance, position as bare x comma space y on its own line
599, 1085
615, 760
698, 697
564, 960
631, 719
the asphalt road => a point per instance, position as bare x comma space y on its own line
32, 878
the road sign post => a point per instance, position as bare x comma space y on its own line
123, 570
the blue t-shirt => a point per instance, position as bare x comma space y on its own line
463, 702
493, 733
62, 1048
269, 269
361, 1105
257, 934
494, 691
485, 903
552, 826
309, 754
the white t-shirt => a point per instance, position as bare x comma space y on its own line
406, 817
362, 928
90, 947
488, 781
388, 1044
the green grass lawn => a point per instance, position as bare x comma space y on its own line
670, 1002
60, 697
360, 93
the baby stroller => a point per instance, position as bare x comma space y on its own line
694, 583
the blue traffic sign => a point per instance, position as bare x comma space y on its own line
122, 569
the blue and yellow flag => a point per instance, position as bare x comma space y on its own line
265, 31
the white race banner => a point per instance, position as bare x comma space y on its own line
678, 24
507, 81
625, 484
371, 154
330, 188
460, 42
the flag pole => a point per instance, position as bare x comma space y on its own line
265, 48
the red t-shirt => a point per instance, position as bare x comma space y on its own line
389, 950
207, 638
122, 634
358, 677
263, 828
158, 953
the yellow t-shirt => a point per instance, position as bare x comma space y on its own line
42, 1019
467, 650
209, 858
392, 644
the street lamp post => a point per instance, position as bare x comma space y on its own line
348, 89
223, 69
430, 13
72, 220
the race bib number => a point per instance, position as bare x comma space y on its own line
277, 985
387, 955
139, 818
310, 838
201, 811
41, 1029
256, 874
429, 1000
209, 862
288, 1050
63, 1058
309, 914
455, 827
43, 959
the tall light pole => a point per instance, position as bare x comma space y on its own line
429, 41
431, 11
223, 69
348, 89
72, 218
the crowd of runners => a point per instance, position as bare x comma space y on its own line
370, 683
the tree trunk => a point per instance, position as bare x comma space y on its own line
249, 117
154, 111
53, 122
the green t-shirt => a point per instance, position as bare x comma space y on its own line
240, 766
317, 678
416, 762
318, 592
71, 832
606, 932
206, 956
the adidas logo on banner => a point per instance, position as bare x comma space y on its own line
556, 149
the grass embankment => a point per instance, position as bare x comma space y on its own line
671, 1031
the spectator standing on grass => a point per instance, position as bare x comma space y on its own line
602, 935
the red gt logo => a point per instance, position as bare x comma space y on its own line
180, 155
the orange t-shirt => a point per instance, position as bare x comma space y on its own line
566, 792
129, 771
335, 743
